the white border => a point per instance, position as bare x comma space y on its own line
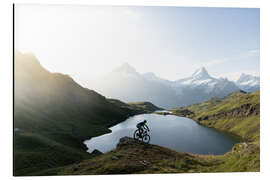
6, 83
202, 3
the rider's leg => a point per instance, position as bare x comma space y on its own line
140, 131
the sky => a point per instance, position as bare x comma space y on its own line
88, 42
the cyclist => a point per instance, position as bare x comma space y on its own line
141, 126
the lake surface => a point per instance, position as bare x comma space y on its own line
179, 133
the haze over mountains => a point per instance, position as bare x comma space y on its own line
126, 84
54, 102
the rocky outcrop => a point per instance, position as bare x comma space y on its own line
96, 153
128, 141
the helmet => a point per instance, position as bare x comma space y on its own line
145, 121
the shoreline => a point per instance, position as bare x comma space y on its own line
237, 138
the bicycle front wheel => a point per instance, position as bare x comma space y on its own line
146, 138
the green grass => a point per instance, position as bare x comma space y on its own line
229, 114
137, 158
141, 158
144, 105
34, 152
147, 107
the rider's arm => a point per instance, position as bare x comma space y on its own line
147, 127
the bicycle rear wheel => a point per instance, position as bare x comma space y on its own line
136, 134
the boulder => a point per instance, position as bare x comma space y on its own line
114, 158
96, 153
128, 141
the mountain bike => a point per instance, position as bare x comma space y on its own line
143, 137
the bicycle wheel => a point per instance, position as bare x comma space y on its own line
146, 138
136, 134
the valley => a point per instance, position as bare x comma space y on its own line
131, 156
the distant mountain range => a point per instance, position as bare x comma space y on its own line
248, 83
126, 84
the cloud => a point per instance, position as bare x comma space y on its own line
243, 56
254, 52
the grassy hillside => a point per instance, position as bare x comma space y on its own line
148, 107
145, 105
238, 113
53, 115
134, 157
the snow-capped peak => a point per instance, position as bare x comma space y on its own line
201, 74
199, 78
